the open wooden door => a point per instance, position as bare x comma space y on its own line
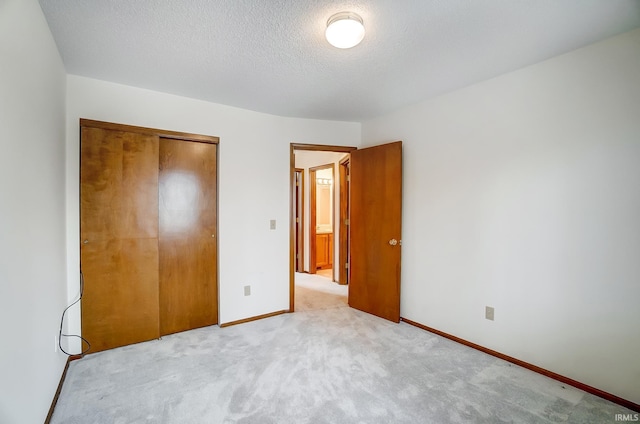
344, 243
376, 215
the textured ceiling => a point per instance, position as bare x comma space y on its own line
271, 55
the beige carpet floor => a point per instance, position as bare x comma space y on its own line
327, 364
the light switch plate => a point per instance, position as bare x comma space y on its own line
272, 224
489, 312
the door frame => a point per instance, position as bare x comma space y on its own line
299, 192
292, 177
313, 190
345, 199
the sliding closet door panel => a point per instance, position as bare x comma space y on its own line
120, 302
119, 237
188, 292
187, 235
118, 184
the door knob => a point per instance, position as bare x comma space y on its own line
393, 242
85, 241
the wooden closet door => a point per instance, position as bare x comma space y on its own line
187, 235
119, 237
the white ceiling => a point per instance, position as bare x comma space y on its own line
271, 55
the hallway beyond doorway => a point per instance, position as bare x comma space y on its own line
326, 273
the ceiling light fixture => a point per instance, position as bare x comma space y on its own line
345, 30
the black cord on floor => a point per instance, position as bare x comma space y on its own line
61, 335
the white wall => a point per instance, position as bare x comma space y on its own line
306, 159
253, 182
523, 193
32, 212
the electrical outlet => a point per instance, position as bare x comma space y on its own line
488, 312
247, 290
272, 224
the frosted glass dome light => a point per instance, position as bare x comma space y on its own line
345, 30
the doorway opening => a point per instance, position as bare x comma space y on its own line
321, 223
317, 252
